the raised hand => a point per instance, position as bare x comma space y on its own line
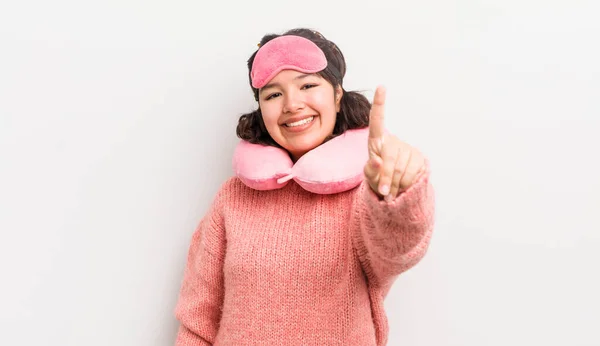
393, 165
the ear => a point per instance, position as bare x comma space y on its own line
338, 97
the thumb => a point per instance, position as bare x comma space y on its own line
372, 169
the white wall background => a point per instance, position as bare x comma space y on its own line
117, 125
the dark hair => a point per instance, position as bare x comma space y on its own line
354, 107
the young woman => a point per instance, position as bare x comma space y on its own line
306, 255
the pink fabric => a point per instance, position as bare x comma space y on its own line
332, 167
286, 52
289, 267
260, 166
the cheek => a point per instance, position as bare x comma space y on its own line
324, 103
270, 115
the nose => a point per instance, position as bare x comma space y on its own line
292, 102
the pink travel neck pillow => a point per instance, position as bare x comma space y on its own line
334, 166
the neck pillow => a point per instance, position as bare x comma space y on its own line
334, 166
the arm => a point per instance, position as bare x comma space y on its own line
201, 296
391, 237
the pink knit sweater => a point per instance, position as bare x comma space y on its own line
289, 267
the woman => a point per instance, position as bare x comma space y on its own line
280, 263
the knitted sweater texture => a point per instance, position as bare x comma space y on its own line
289, 267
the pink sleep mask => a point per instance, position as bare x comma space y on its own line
335, 166
286, 52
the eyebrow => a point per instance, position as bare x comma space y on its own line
272, 85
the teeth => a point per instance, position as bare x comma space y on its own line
301, 122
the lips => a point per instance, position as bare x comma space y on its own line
298, 125
298, 121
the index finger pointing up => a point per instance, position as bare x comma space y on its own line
376, 116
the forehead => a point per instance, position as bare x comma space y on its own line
292, 75
287, 77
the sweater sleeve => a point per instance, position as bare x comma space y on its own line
392, 237
201, 295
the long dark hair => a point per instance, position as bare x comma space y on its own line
354, 107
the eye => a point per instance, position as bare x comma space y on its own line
308, 86
272, 96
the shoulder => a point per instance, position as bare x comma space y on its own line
230, 186
231, 183
232, 190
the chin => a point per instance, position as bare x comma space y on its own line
298, 147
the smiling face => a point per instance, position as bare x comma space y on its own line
299, 110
